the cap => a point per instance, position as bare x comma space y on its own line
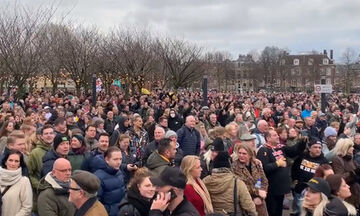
319, 185
217, 145
314, 141
86, 181
322, 114
170, 133
247, 137
170, 176
59, 138
222, 160
46, 107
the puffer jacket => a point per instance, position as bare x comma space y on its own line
220, 185
156, 164
189, 140
76, 160
48, 161
112, 188
91, 165
53, 199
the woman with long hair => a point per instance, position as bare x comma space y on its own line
137, 201
195, 190
344, 164
316, 197
252, 174
5, 130
16, 189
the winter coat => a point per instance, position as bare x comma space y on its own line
92, 207
89, 164
346, 167
153, 145
278, 177
335, 207
156, 164
109, 126
189, 140
134, 204
24, 169
185, 208
250, 178
206, 164
54, 199
48, 161
35, 163
112, 188
138, 143
260, 138
175, 123
3, 143
76, 160
91, 143
18, 199
304, 169
220, 185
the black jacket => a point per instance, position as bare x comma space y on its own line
175, 123
304, 168
185, 208
279, 177
48, 161
133, 204
153, 145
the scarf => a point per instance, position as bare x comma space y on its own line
79, 151
200, 188
274, 147
64, 185
10, 177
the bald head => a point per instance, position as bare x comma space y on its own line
190, 121
263, 126
62, 169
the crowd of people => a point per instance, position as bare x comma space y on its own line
168, 153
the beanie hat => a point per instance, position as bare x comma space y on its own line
170, 133
334, 182
86, 181
330, 131
217, 145
80, 138
59, 138
314, 141
222, 160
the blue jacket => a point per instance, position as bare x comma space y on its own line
89, 164
112, 188
189, 140
48, 161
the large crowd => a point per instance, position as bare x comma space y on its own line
172, 153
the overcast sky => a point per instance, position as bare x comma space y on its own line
237, 26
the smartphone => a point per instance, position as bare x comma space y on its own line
304, 133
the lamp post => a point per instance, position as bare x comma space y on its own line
93, 81
204, 89
323, 97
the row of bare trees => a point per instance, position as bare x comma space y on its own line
33, 46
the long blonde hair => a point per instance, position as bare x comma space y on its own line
342, 146
187, 164
319, 210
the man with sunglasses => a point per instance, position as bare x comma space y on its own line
53, 191
83, 193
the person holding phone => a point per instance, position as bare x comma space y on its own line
170, 199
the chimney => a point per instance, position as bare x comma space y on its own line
331, 54
325, 52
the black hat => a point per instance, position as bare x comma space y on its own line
217, 145
80, 138
59, 138
314, 141
319, 185
86, 181
170, 176
222, 160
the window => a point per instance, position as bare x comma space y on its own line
325, 61
296, 61
328, 71
310, 61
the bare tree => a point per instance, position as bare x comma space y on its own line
270, 62
20, 52
78, 54
348, 68
182, 60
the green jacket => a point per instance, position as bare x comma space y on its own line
54, 199
34, 162
156, 164
76, 160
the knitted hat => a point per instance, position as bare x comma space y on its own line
222, 160
59, 138
86, 181
80, 138
217, 145
330, 131
314, 141
170, 133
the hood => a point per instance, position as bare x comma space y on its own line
122, 128
42, 145
219, 182
49, 182
155, 160
51, 155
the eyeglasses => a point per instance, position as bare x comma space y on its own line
64, 170
75, 189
